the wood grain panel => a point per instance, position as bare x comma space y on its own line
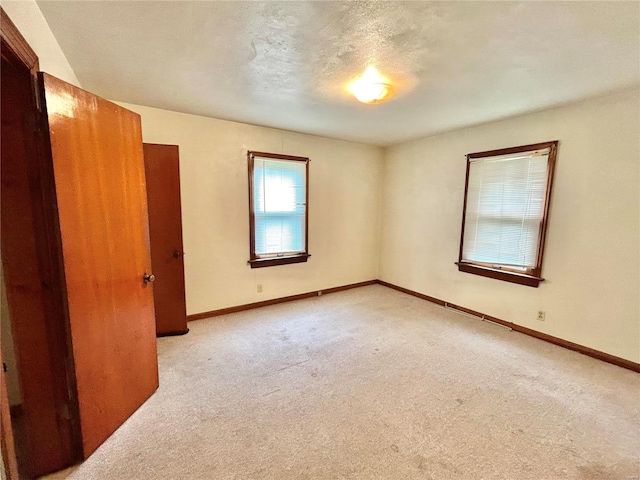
162, 173
97, 157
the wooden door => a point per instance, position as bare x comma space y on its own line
162, 170
96, 153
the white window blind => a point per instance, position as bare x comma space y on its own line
279, 205
504, 209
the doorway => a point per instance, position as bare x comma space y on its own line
32, 280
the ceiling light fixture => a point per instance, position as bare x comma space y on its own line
372, 87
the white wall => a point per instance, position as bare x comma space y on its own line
26, 15
592, 256
344, 190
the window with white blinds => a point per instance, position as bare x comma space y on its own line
278, 196
506, 203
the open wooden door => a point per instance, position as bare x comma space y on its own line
96, 153
162, 171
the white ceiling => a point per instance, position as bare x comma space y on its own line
288, 64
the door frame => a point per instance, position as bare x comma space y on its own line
50, 266
12, 37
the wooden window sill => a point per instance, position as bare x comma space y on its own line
272, 261
513, 277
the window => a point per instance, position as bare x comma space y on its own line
278, 204
505, 212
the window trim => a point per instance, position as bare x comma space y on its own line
533, 277
257, 261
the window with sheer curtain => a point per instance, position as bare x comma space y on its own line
278, 198
505, 212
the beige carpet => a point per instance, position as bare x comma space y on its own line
373, 383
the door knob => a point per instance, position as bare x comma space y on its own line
148, 278
177, 254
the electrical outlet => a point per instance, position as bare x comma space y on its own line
259, 288
541, 315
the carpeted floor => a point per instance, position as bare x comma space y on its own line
371, 383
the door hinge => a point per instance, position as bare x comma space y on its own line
4, 367
35, 88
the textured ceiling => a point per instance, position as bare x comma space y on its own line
288, 64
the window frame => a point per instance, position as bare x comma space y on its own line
259, 261
532, 277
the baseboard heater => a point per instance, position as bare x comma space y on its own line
455, 308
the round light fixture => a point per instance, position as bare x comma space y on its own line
371, 87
